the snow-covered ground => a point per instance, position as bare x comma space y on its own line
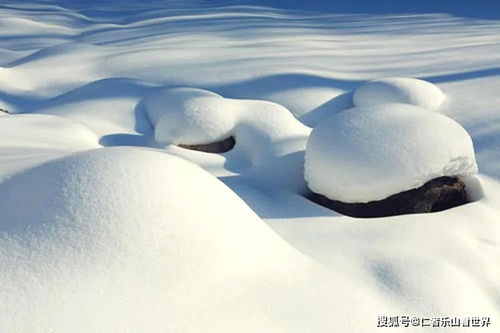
151, 237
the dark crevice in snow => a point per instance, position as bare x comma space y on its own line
436, 195
222, 146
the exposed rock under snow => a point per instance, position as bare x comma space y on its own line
434, 196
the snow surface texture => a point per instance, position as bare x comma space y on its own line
370, 153
133, 239
399, 90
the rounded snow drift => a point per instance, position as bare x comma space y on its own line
115, 188
39, 133
399, 90
188, 116
103, 227
370, 153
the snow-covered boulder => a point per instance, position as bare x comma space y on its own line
399, 90
188, 116
262, 130
370, 153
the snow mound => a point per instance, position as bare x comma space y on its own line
193, 116
399, 90
189, 116
30, 139
108, 106
111, 236
369, 153
44, 132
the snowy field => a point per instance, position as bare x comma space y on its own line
108, 225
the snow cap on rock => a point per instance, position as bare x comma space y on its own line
370, 153
263, 130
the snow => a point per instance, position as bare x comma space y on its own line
195, 116
25, 139
399, 90
264, 131
189, 116
44, 132
95, 237
113, 231
370, 153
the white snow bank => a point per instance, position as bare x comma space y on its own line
263, 130
67, 65
27, 139
44, 132
125, 237
369, 153
399, 90
108, 107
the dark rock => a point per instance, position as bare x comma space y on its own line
214, 147
436, 195
2, 109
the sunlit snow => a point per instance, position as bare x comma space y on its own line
108, 225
